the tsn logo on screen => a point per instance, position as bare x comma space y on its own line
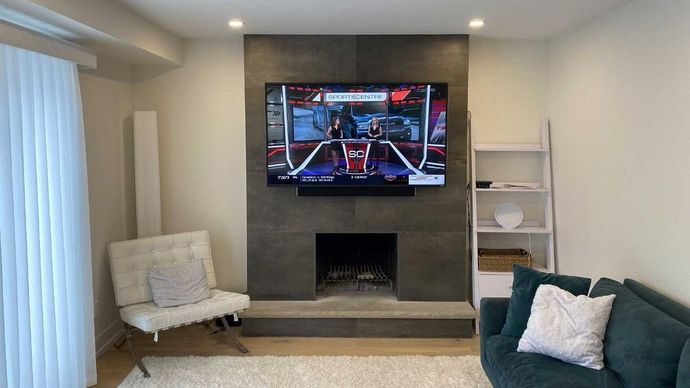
355, 154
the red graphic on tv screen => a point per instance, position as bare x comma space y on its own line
356, 154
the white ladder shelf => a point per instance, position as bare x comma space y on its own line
499, 284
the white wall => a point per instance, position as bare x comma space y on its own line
508, 82
107, 100
615, 89
619, 104
202, 153
202, 150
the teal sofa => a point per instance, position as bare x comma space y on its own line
647, 344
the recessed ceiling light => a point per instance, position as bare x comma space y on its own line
235, 23
476, 23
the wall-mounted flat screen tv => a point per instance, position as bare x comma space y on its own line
356, 134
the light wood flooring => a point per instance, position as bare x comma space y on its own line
115, 364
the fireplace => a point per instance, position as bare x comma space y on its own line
356, 263
359, 281
426, 258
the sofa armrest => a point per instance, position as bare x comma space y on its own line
492, 317
684, 367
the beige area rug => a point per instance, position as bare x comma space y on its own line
310, 371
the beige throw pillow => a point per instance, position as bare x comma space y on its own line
178, 284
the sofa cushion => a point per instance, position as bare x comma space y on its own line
525, 284
683, 380
508, 368
149, 318
642, 344
492, 318
662, 302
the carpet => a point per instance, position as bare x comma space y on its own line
310, 371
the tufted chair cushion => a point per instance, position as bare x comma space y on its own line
130, 261
149, 318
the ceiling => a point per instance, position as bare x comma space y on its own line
523, 19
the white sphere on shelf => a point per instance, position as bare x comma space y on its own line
508, 215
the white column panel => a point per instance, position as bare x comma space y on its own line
146, 174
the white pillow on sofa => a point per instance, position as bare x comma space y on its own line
567, 327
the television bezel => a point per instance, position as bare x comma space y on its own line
298, 185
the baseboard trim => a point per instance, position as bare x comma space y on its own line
108, 337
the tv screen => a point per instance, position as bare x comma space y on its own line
356, 134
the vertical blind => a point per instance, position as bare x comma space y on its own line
46, 301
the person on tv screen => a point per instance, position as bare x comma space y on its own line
335, 131
375, 132
349, 123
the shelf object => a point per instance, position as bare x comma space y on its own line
527, 226
515, 190
510, 148
544, 146
536, 266
519, 229
499, 284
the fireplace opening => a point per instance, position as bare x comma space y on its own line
356, 263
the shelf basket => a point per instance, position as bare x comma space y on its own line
502, 260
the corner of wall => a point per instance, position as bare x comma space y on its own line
111, 69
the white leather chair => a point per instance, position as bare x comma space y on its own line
129, 264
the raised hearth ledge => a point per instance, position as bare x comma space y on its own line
369, 307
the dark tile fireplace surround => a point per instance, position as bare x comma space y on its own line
287, 234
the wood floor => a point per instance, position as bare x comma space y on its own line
114, 364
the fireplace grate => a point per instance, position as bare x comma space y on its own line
356, 275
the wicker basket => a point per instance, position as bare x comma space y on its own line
502, 260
